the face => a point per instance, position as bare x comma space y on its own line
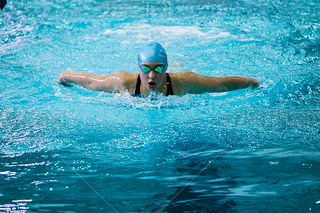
153, 80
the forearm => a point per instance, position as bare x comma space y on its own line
68, 78
238, 82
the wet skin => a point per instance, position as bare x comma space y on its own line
182, 82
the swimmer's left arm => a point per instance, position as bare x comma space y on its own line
201, 84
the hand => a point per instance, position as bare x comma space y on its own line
62, 79
255, 83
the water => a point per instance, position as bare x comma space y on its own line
75, 150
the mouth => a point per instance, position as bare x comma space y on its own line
152, 84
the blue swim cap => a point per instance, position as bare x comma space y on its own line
153, 52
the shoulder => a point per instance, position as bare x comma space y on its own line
129, 80
190, 82
181, 75
185, 76
119, 81
182, 81
122, 76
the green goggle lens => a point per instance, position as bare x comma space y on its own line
146, 69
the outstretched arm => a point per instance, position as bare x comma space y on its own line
108, 83
201, 84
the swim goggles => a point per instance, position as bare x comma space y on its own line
145, 69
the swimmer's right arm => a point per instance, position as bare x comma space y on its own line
107, 83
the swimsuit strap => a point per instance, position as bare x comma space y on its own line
137, 91
169, 86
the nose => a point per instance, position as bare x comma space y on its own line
152, 74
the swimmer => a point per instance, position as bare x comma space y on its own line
153, 77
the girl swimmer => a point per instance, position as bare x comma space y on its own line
152, 77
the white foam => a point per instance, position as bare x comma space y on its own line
147, 30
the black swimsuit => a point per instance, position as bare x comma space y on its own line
169, 86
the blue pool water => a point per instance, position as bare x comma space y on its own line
74, 150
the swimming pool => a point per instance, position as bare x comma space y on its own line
75, 150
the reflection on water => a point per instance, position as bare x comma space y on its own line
16, 206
